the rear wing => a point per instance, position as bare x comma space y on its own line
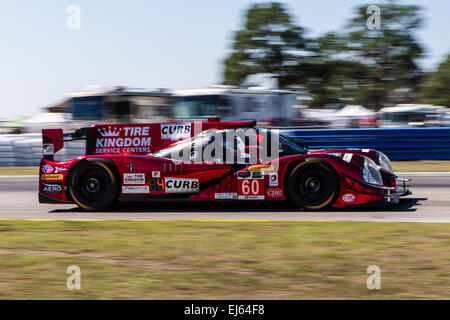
135, 138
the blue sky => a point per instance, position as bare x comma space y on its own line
149, 44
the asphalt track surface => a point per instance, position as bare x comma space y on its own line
430, 202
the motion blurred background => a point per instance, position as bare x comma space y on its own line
342, 74
293, 65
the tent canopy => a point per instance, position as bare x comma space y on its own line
46, 117
355, 111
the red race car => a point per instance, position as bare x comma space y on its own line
210, 160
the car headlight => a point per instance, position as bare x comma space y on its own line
384, 162
370, 172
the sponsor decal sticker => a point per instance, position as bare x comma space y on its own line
47, 169
348, 197
52, 177
51, 188
135, 189
175, 131
156, 174
181, 185
244, 174
251, 197
117, 140
365, 150
348, 157
259, 167
48, 149
273, 179
225, 195
275, 193
60, 169
134, 178
257, 175
336, 154
156, 184
251, 189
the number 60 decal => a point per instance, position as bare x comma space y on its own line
251, 189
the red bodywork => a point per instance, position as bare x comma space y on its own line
128, 146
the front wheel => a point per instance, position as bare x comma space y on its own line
93, 186
313, 185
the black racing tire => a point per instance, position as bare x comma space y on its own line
313, 185
93, 186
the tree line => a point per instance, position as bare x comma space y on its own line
372, 65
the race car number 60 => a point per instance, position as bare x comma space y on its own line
247, 187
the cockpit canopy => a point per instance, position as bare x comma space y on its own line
243, 145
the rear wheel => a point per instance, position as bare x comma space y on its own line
93, 186
313, 185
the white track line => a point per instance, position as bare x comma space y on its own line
424, 174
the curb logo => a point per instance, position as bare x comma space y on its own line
176, 131
181, 185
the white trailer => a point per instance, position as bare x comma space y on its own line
232, 103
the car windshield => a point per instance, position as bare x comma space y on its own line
238, 142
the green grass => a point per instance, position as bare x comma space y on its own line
223, 260
399, 166
19, 171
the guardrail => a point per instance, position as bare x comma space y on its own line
26, 150
396, 143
